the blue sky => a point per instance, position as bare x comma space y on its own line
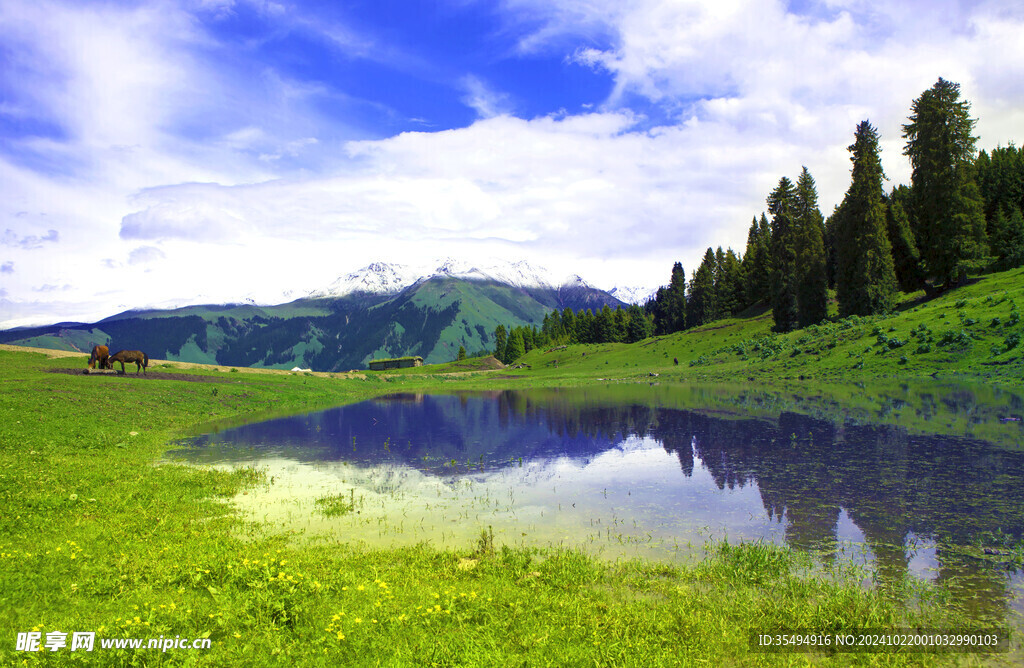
170, 152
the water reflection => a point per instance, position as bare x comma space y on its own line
582, 467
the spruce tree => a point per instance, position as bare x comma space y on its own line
812, 281
1008, 236
865, 278
830, 246
604, 325
948, 210
638, 326
569, 325
785, 310
500, 342
1001, 182
659, 314
719, 281
516, 348
756, 270
700, 303
906, 258
675, 296
730, 293
462, 353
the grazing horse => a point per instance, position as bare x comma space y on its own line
100, 355
140, 358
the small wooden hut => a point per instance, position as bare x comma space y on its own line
395, 363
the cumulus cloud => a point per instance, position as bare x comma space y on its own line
154, 148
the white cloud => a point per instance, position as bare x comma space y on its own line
487, 102
145, 255
239, 184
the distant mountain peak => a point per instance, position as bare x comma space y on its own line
632, 294
383, 278
376, 278
575, 281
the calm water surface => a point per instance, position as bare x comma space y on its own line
917, 482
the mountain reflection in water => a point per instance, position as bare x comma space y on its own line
567, 457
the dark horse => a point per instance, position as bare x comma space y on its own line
140, 358
100, 355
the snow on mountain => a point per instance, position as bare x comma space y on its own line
574, 281
378, 278
521, 274
632, 294
384, 278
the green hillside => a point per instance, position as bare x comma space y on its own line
431, 319
974, 331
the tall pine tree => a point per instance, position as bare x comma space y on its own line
1001, 180
670, 303
812, 281
783, 256
701, 306
906, 258
948, 208
756, 267
865, 278
500, 342
729, 287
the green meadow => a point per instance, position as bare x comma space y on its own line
96, 535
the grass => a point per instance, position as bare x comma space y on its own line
974, 331
95, 537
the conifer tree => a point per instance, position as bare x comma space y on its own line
947, 203
830, 246
730, 292
675, 296
719, 280
462, 353
783, 254
1001, 182
516, 348
812, 281
657, 307
905, 257
604, 325
756, 271
569, 324
865, 278
1008, 237
638, 326
621, 324
500, 342
700, 304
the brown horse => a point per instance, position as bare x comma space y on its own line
100, 355
140, 358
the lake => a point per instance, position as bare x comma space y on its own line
926, 480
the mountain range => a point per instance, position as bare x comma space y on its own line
381, 310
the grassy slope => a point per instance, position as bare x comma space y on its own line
969, 332
93, 537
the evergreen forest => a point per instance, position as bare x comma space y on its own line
961, 215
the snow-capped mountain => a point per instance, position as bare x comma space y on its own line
382, 278
377, 278
632, 294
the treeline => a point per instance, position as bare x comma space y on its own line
567, 326
961, 214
